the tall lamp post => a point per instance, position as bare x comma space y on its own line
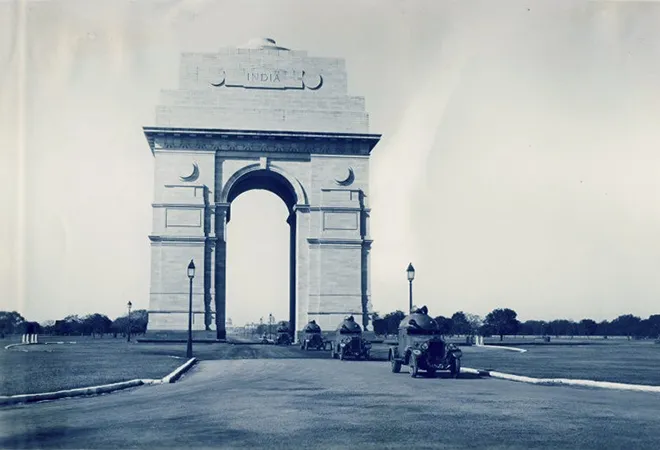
270, 322
129, 304
410, 271
191, 275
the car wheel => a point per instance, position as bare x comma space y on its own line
396, 365
455, 368
414, 369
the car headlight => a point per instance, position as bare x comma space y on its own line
416, 352
424, 346
342, 344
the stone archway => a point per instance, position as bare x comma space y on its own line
250, 178
260, 117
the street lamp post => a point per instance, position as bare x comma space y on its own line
410, 271
270, 322
191, 275
129, 304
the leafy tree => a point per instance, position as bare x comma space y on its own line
380, 326
475, 323
139, 322
445, 324
562, 327
603, 329
587, 327
9, 322
28, 327
533, 327
502, 321
653, 326
626, 325
460, 324
393, 320
96, 324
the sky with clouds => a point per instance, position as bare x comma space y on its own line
518, 165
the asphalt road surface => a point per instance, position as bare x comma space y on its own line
298, 403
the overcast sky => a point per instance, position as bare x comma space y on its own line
519, 165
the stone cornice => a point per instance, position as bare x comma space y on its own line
339, 209
179, 205
259, 142
180, 239
336, 241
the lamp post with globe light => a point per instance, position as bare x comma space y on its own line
191, 275
410, 271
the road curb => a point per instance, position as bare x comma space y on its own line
176, 373
482, 373
7, 347
570, 382
93, 390
502, 347
96, 390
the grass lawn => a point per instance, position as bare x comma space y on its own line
622, 361
89, 362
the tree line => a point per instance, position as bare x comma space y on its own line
504, 321
95, 325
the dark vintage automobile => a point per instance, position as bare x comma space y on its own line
348, 341
283, 335
421, 347
312, 337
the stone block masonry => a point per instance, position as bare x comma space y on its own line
260, 116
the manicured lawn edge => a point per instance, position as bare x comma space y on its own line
97, 390
564, 381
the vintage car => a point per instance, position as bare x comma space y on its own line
421, 347
312, 337
283, 336
348, 341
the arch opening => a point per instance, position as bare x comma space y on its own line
278, 184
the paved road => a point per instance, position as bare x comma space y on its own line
324, 403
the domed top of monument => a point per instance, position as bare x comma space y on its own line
349, 325
420, 320
263, 44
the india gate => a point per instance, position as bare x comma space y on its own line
260, 116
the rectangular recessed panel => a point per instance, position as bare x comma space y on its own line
340, 221
181, 217
340, 197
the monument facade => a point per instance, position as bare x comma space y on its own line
260, 116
